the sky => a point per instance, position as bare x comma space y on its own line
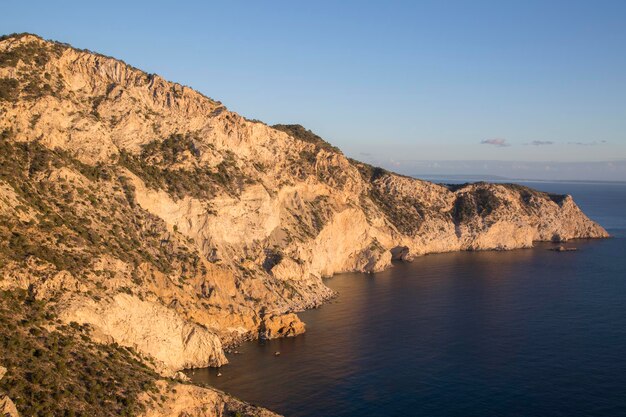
524, 89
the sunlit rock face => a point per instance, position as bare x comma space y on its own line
7, 408
174, 226
284, 325
189, 400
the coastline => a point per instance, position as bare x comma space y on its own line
230, 347
311, 353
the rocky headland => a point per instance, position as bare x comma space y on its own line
158, 221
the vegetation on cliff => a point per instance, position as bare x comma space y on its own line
171, 164
56, 370
69, 223
31, 83
306, 135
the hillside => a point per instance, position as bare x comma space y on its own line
160, 221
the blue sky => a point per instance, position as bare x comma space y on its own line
394, 83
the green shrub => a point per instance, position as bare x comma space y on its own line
9, 90
301, 133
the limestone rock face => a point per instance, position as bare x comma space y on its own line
284, 325
188, 400
150, 328
171, 224
7, 408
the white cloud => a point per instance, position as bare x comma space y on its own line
495, 142
594, 143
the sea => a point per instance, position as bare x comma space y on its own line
528, 332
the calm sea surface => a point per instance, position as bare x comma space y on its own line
523, 333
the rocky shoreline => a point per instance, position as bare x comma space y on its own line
164, 223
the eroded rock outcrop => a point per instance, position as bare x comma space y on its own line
284, 325
178, 400
151, 328
7, 408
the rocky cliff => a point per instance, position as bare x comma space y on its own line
171, 225
174, 399
7, 408
54, 369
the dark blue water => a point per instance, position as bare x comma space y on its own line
523, 333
